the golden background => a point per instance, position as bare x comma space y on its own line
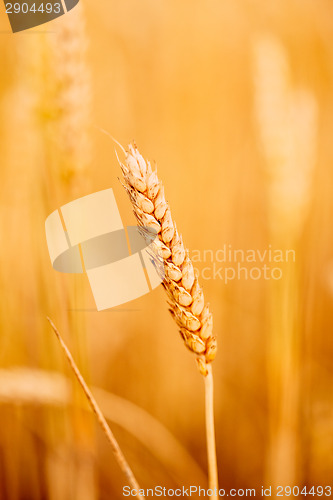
234, 101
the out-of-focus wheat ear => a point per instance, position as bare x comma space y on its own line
70, 98
286, 118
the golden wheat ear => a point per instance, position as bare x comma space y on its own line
185, 295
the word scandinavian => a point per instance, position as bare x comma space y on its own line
237, 257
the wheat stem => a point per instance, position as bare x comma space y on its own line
118, 454
210, 432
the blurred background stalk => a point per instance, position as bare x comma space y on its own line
287, 125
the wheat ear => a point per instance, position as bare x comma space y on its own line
118, 454
186, 299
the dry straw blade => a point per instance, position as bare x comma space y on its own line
118, 454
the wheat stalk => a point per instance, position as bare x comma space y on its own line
185, 295
65, 122
286, 117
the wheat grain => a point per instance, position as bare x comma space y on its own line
186, 299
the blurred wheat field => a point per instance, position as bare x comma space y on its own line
234, 101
